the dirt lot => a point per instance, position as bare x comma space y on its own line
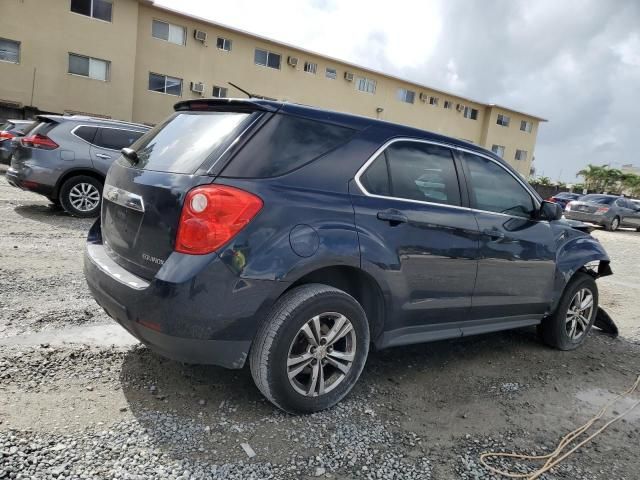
79, 398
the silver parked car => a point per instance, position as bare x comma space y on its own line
66, 158
609, 211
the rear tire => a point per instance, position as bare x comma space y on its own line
81, 196
614, 225
285, 343
568, 327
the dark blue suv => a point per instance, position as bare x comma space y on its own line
294, 238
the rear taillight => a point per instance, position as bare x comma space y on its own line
602, 210
551, 199
212, 215
39, 141
4, 135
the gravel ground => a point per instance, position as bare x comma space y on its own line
76, 409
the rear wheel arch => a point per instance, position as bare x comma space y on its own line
357, 283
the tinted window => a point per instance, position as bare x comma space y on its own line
495, 190
85, 133
83, 7
284, 144
115, 139
375, 179
423, 172
601, 199
186, 140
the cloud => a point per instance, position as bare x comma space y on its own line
575, 62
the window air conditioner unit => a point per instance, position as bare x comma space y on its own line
197, 87
293, 61
459, 107
424, 97
200, 35
348, 76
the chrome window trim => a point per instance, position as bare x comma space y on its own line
73, 132
375, 155
123, 198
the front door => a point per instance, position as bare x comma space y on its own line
517, 252
417, 235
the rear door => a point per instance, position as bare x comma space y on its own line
517, 252
416, 233
108, 142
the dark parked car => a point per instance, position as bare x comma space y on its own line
9, 131
292, 238
66, 158
563, 198
609, 211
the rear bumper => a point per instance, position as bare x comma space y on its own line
21, 179
195, 310
587, 217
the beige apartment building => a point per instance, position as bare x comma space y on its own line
133, 60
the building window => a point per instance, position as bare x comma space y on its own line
9, 51
471, 113
503, 120
448, 104
526, 126
165, 84
433, 101
224, 44
366, 85
89, 67
521, 155
331, 73
169, 32
310, 67
267, 59
100, 9
405, 95
498, 150
220, 92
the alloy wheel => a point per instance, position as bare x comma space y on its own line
579, 314
615, 223
84, 197
321, 354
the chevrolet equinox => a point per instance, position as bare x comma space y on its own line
294, 238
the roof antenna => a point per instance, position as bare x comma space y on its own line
242, 90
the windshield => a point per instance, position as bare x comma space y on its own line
183, 142
600, 199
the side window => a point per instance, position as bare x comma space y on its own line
414, 171
85, 133
375, 179
115, 139
424, 172
493, 189
285, 143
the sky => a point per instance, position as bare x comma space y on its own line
574, 62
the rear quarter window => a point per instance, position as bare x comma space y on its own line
284, 144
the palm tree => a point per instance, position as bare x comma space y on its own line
592, 176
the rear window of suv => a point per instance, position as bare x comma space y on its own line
186, 140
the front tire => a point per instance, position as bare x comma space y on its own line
81, 196
568, 326
311, 349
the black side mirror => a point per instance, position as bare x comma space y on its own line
550, 211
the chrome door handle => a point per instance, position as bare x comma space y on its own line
103, 156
